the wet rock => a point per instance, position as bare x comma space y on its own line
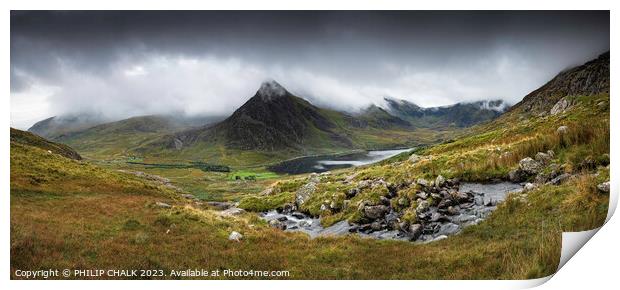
445, 203
376, 226
374, 212
516, 175
298, 215
288, 208
603, 187
235, 236
453, 210
460, 197
562, 130
449, 229
529, 186
277, 224
282, 219
162, 205
415, 230
530, 166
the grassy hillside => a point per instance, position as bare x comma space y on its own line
50, 195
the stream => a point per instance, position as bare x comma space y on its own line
486, 198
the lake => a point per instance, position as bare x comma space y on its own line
322, 163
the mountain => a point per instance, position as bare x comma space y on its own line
274, 119
58, 126
457, 115
119, 137
375, 116
29, 139
587, 79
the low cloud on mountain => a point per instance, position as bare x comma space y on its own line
121, 64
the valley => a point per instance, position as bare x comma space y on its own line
469, 191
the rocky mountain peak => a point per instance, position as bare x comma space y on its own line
270, 89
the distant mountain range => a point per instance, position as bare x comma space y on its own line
272, 120
458, 115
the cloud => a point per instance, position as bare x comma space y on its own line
122, 64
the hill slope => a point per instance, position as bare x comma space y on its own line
29, 139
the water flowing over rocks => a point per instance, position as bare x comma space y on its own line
441, 211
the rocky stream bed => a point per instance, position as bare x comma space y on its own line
472, 203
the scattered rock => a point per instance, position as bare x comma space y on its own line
219, 205
414, 158
562, 130
162, 205
560, 179
272, 189
188, 196
233, 211
603, 187
235, 236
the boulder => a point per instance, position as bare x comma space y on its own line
530, 166
375, 211
414, 158
516, 175
542, 157
603, 187
562, 130
235, 236
560, 107
445, 203
304, 192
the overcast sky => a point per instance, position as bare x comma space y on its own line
122, 64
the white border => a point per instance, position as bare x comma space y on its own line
593, 267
